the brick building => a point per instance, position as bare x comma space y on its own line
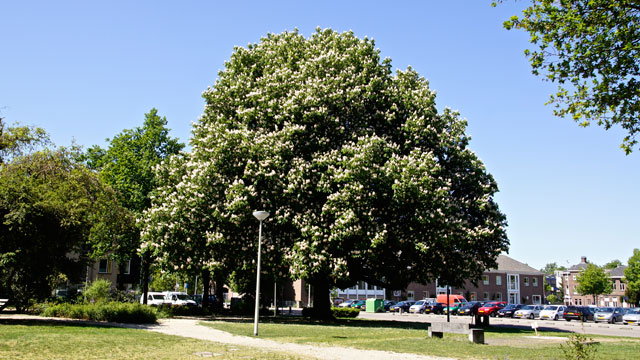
511, 281
615, 298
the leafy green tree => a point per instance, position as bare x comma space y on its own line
593, 281
98, 291
613, 264
551, 268
364, 179
632, 277
128, 166
591, 49
18, 140
52, 206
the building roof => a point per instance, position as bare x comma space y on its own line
617, 272
580, 266
509, 265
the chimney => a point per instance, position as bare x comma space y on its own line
583, 260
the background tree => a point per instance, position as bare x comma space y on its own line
612, 264
632, 277
51, 206
551, 268
127, 165
591, 48
593, 280
18, 140
364, 179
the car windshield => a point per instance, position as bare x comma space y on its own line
634, 311
528, 307
183, 297
605, 310
158, 297
491, 304
510, 307
420, 302
551, 307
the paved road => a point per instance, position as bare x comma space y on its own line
560, 325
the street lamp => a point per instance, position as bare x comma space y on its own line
260, 215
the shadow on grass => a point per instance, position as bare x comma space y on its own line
57, 322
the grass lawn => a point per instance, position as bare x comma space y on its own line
55, 341
412, 338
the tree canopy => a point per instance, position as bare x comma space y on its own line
593, 280
19, 139
55, 214
591, 48
612, 264
364, 178
551, 268
632, 277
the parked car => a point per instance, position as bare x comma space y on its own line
388, 304
491, 308
453, 299
154, 298
418, 307
347, 303
582, 313
509, 310
402, 305
178, 298
470, 308
212, 300
359, 304
434, 308
552, 312
528, 312
453, 308
609, 314
632, 317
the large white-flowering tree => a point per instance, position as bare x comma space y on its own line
364, 179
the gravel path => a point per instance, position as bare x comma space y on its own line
190, 328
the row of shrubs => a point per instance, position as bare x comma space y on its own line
131, 313
338, 312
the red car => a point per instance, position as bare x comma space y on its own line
491, 308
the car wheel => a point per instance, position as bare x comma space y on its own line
568, 319
555, 318
493, 314
531, 316
613, 319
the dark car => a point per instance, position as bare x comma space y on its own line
388, 304
582, 313
402, 305
470, 308
212, 300
491, 308
434, 308
509, 310
359, 304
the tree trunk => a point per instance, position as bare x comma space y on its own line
219, 280
321, 302
145, 277
206, 279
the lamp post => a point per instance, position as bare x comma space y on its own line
260, 215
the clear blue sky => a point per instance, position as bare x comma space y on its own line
86, 70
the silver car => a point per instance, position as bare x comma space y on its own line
552, 312
609, 314
528, 312
632, 317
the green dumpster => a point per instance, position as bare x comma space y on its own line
375, 305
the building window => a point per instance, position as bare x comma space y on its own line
526, 281
498, 296
104, 267
425, 294
485, 279
410, 295
534, 281
498, 280
473, 296
621, 286
574, 278
486, 296
127, 267
537, 299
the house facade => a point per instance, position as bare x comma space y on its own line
615, 298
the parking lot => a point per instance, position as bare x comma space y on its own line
617, 329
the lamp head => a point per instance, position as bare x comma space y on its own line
261, 215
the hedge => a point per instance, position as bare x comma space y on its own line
131, 313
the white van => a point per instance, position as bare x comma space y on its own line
178, 298
153, 298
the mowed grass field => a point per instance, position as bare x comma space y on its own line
55, 341
413, 338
